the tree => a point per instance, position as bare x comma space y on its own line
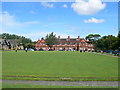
106, 43
100, 44
118, 40
51, 39
116, 44
93, 37
89, 37
96, 36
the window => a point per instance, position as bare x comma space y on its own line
83, 43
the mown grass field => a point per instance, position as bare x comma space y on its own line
58, 65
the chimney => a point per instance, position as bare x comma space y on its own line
58, 37
42, 38
68, 37
78, 37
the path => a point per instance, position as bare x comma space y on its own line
64, 83
106, 55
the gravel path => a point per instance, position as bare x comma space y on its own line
64, 83
106, 55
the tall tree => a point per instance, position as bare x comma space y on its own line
96, 36
89, 37
107, 43
116, 44
51, 39
93, 37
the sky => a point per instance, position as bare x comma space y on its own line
37, 19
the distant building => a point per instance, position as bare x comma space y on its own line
20, 46
5, 44
66, 44
10, 44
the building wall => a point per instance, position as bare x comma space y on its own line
82, 45
11, 46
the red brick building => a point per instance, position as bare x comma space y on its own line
66, 44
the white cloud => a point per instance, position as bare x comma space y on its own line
8, 20
52, 18
31, 22
38, 35
65, 35
32, 12
45, 4
35, 35
88, 8
45, 25
65, 6
53, 24
9, 23
71, 28
93, 20
52, 0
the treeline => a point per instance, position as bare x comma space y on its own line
108, 42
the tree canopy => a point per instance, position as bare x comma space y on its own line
109, 42
92, 37
51, 39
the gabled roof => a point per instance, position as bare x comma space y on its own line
63, 41
83, 41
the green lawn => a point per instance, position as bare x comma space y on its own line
46, 64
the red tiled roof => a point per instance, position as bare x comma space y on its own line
83, 41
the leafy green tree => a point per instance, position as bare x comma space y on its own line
26, 40
96, 36
29, 45
99, 45
106, 43
51, 39
93, 37
116, 44
89, 37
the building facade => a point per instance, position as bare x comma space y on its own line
66, 44
10, 44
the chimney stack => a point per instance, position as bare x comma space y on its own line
42, 38
68, 37
78, 37
58, 37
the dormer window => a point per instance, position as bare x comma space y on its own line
83, 43
77, 39
66, 39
